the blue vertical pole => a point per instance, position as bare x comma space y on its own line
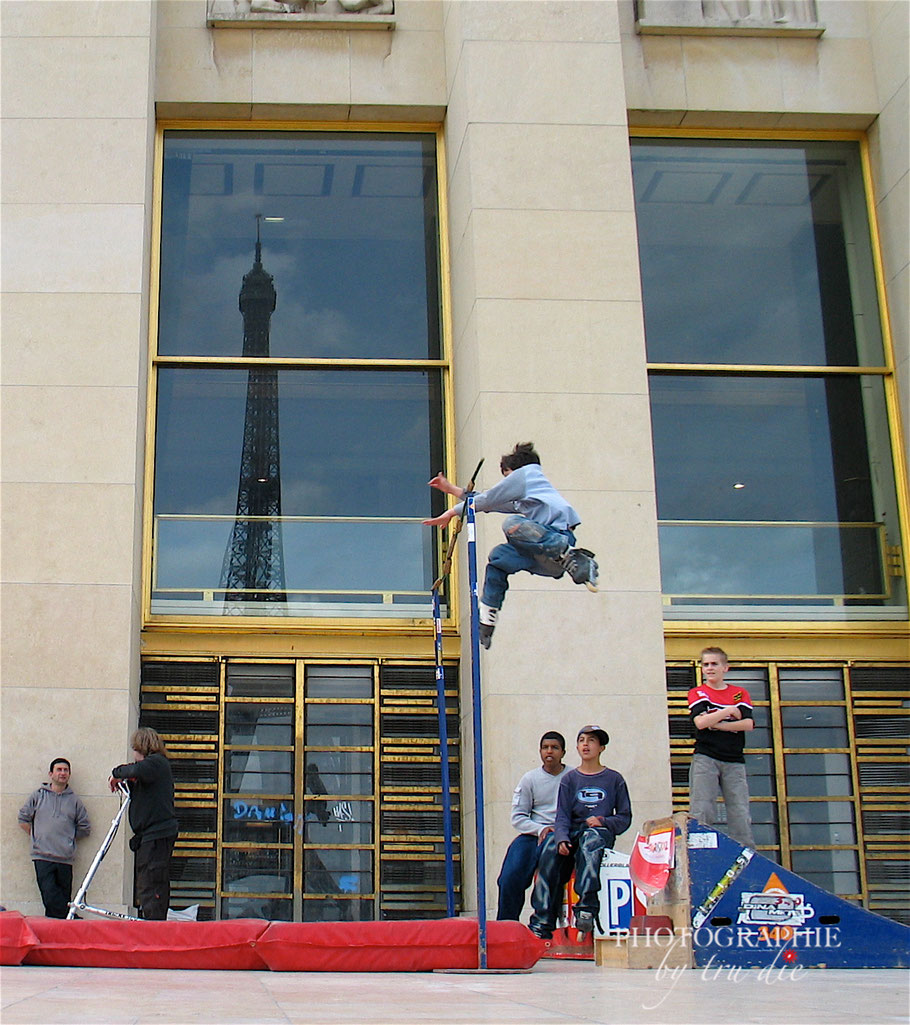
444, 755
478, 738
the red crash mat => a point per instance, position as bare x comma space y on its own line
417, 946
255, 944
118, 944
16, 937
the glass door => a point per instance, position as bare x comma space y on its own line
298, 809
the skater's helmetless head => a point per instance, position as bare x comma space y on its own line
522, 455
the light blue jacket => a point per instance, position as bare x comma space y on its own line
528, 492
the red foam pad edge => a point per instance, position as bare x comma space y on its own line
118, 944
417, 946
16, 937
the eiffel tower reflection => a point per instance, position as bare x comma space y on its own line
253, 567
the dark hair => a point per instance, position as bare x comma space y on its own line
147, 742
521, 455
553, 735
57, 761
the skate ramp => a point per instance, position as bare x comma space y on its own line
747, 911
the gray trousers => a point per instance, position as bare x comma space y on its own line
708, 778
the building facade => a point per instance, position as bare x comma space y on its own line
267, 267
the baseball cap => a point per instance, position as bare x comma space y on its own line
598, 732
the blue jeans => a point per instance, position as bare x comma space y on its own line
516, 875
531, 548
554, 870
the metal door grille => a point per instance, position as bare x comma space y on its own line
186, 699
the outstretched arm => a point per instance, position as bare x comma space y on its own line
442, 483
443, 519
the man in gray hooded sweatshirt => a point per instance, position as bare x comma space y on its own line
55, 818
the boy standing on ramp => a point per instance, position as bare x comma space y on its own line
722, 716
539, 533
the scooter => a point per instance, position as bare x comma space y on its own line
78, 902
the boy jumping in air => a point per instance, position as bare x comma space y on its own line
539, 533
592, 809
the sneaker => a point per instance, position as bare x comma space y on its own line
541, 933
584, 922
581, 567
488, 616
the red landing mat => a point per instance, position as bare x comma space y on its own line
395, 946
108, 943
255, 944
16, 937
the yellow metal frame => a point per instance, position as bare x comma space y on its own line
420, 627
889, 638
212, 796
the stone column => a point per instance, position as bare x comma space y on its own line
888, 24
549, 348
78, 129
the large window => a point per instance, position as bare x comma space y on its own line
299, 375
769, 382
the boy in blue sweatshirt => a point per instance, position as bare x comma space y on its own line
539, 533
592, 809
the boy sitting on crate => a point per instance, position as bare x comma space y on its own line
592, 809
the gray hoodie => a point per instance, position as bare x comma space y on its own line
56, 821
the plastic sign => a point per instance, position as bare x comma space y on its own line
619, 899
652, 859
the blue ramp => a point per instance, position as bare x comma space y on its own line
748, 912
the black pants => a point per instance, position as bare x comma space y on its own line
55, 881
153, 882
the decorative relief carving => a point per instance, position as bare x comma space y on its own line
301, 13
728, 17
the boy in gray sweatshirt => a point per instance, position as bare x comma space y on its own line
540, 535
55, 818
533, 815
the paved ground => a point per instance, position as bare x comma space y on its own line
568, 993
